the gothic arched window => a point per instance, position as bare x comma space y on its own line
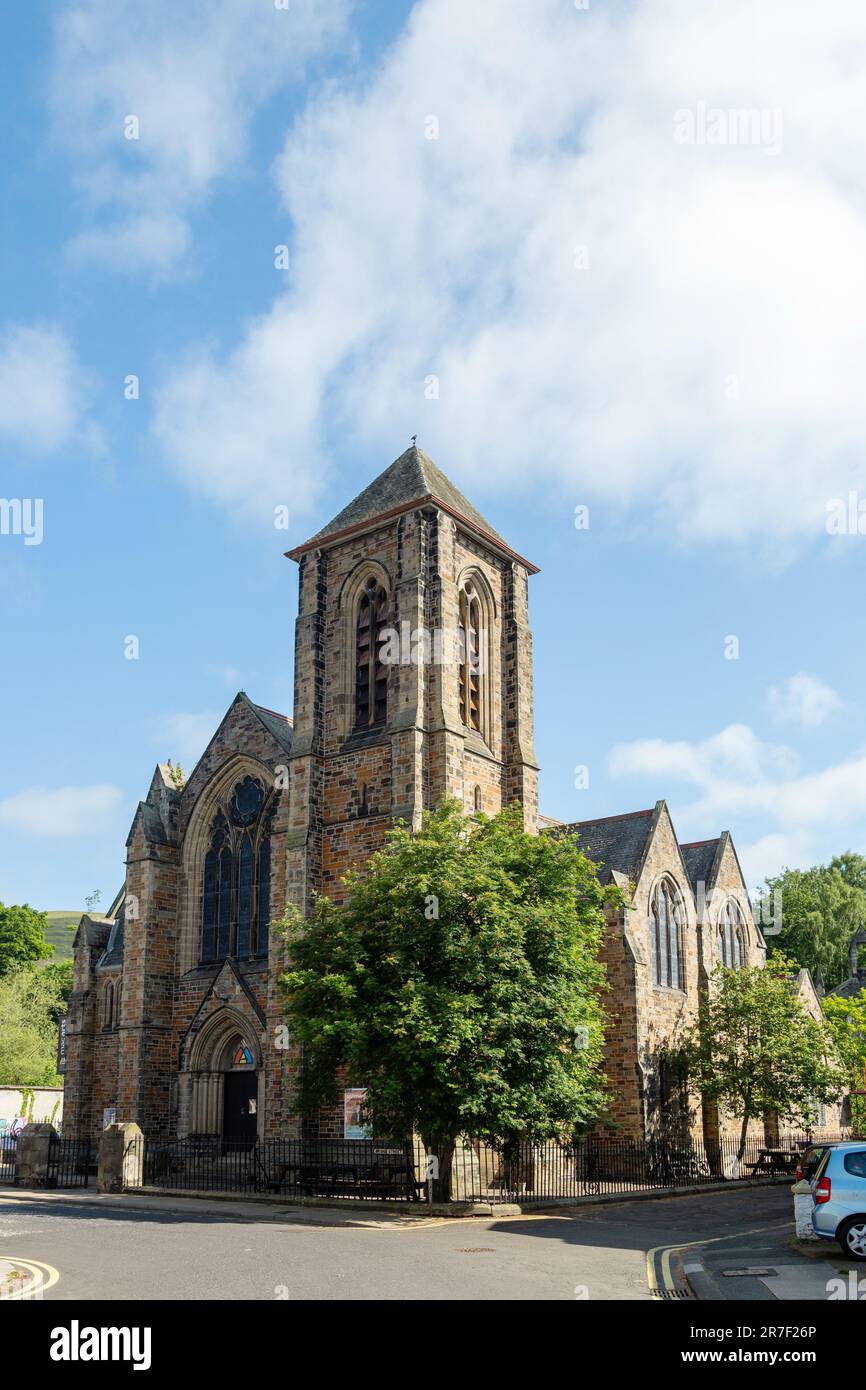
236, 884
667, 920
371, 673
731, 936
471, 658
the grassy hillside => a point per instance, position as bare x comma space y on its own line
58, 932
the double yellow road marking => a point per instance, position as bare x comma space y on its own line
665, 1254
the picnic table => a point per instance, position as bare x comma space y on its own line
373, 1171
779, 1161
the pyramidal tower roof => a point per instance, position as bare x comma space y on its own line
411, 480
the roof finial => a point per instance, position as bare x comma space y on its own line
414, 437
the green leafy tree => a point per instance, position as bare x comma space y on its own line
755, 1048
846, 1019
58, 976
852, 867
29, 1003
459, 983
821, 908
22, 936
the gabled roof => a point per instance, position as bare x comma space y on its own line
411, 480
113, 953
700, 857
93, 930
615, 842
280, 725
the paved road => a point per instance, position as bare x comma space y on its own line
594, 1253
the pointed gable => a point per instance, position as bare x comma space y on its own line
411, 480
617, 843
701, 861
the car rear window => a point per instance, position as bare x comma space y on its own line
820, 1170
856, 1163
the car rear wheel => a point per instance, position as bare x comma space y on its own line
852, 1237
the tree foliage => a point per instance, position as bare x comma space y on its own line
30, 1002
459, 983
821, 909
846, 1019
22, 936
755, 1048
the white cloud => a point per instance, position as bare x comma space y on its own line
41, 387
193, 74
770, 853
66, 812
704, 367
184, 737
739, 782
802, 699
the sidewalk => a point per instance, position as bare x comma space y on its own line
247, 1209
250, 1208
772, 1265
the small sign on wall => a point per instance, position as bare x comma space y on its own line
61, 1044
109, 1116
353, 1109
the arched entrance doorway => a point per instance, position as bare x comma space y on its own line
240, 1095
223, 1079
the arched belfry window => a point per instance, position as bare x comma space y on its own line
236, 887
667, 943
108, 1020
371, 673
470, 639
731, 936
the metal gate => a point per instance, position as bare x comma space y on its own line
70, 1161
7, 1158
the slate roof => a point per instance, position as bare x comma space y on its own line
699, 857
280, 725
93, 930
113, 953
411, 479
615, 842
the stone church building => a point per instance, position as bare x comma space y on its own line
175, 1020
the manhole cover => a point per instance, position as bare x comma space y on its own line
756, 1271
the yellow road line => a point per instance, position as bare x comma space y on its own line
666, 1253
42, 1277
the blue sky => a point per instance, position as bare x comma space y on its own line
665, 328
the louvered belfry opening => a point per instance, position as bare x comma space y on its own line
470, 648
371, 673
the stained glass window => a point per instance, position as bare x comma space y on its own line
236, 879
242, 1057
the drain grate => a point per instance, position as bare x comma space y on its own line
475, 1250
672, 1294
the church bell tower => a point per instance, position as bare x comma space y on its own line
413, 673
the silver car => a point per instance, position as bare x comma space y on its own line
839, 1194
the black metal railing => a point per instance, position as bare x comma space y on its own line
353, 1168
396, 1171
8, 1145
71, 1162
